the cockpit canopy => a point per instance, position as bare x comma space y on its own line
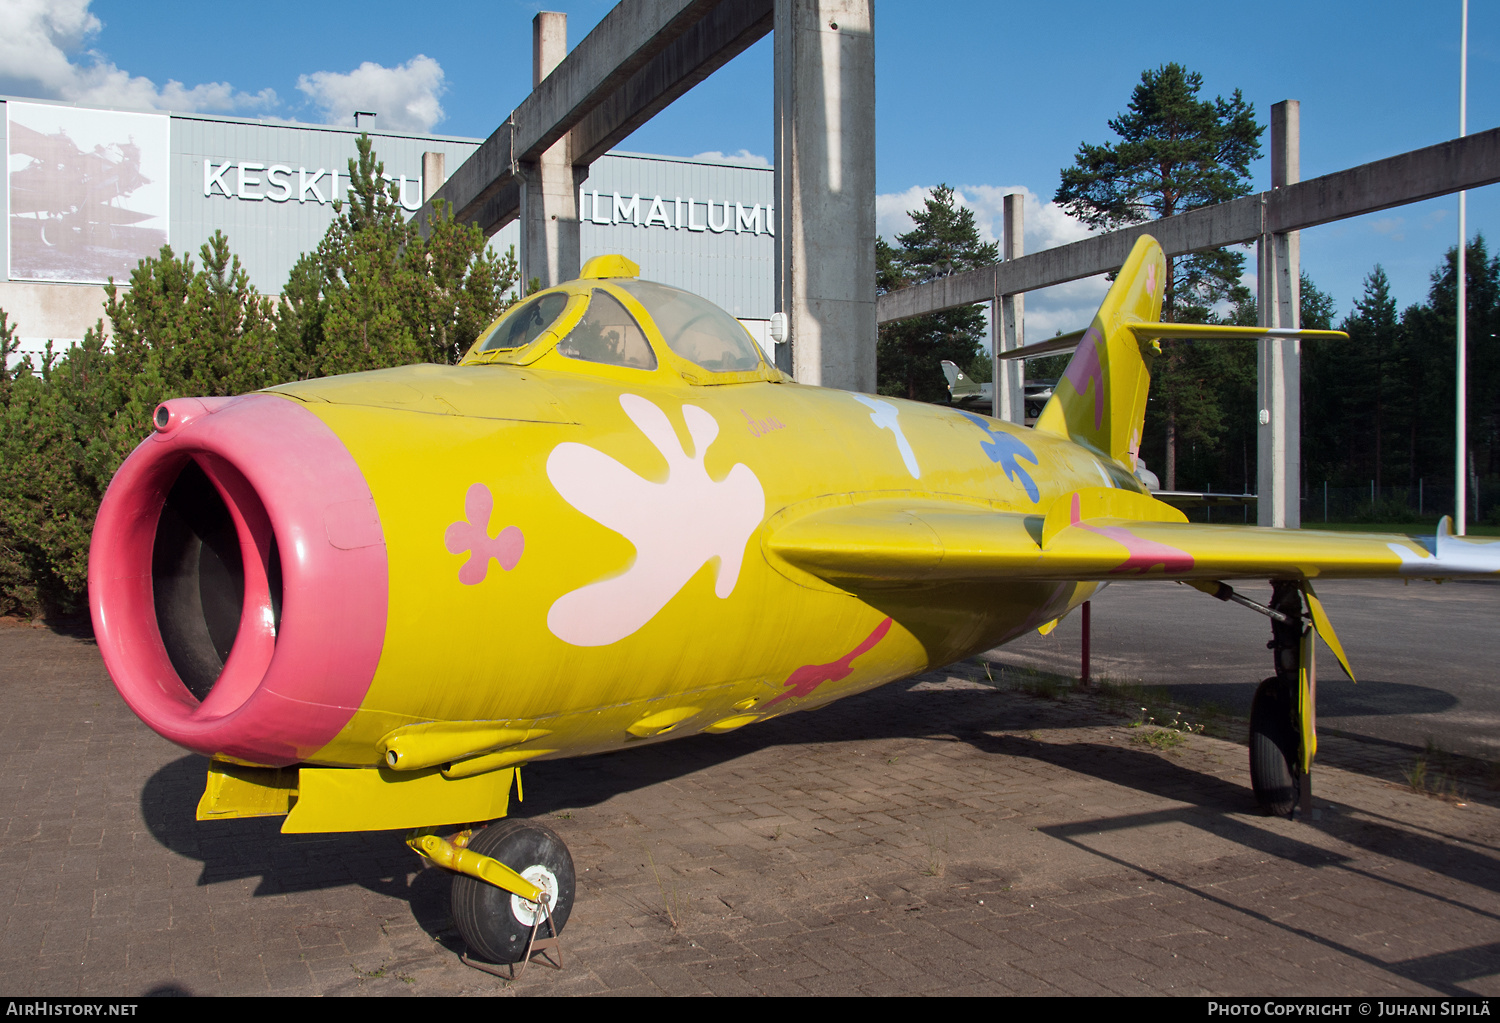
625, 322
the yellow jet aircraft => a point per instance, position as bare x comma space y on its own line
370, 599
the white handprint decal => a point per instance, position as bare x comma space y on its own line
676, 526
886, 416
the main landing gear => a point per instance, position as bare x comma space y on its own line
512, 893
1283, 735
1276, 760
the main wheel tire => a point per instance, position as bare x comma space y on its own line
497, 924
1273, 748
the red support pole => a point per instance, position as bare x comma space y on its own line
1086, 642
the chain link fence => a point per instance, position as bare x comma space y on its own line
1422, 504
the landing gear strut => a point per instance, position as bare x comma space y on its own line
512, 893
1281, 713
499, 925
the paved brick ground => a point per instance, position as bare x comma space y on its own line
942, 835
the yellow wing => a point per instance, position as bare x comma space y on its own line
1097, 534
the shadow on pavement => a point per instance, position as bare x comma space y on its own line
1337, 697
381, 862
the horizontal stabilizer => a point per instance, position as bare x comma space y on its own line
1219, 332
1201, 498
1172, 331
1052, 346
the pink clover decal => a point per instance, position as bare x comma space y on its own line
472, 534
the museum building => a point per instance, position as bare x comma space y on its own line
89, 192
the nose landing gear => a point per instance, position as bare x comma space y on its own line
512, 893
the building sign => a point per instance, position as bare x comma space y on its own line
253, 182
677, 213
278, 182
87, 191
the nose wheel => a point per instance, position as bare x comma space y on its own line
501, 926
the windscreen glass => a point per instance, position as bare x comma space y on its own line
525, 323
696, 329
608, 334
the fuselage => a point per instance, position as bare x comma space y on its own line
536, 553
613, 594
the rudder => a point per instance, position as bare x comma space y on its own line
1100, 401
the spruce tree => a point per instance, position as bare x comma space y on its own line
909, 354
1374, 375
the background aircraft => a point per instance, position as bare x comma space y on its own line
371, 599
965, 393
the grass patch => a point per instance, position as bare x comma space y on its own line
671, 904
935, 866
1435, 773
1029, 681
1162, 739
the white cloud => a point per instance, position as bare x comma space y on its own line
42, 55
744, 156
1063, 307
405, 97
1047, 226
892, 211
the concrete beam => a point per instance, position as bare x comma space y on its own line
434, 173
550, 241
825, 189
730, 28
1009, 311
1188, 232
1453, 166
1279, 360
627, 38
1469, 162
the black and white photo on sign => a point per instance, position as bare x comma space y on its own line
87, 191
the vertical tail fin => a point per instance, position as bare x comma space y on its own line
1100, 401
959, 384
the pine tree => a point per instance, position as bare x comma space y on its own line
909, 354
377, 294
9, 344
1176, 153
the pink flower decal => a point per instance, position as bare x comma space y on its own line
1085, 366
1151, 279
472, 534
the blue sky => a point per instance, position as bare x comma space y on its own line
984, 96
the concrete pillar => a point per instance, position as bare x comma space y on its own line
550, 246
434, 173
1279, 464
1010, 375
825, 188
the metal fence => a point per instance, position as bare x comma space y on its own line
1423, 504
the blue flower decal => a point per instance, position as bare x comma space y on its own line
1005, 449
